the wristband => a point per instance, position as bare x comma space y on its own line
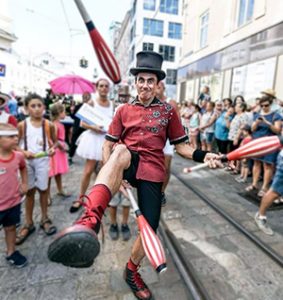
199, 155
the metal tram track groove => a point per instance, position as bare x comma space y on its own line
260, 244
191, 281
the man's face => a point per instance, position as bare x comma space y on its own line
146, 85
160, 90
103, 88
124, 98
86, 97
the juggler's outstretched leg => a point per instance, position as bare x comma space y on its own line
77, 246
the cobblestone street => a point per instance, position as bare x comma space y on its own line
228, 265
42, 279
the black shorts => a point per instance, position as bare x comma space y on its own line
149, 193
10, 216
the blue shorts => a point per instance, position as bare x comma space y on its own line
207, 137
10, 216
277, 183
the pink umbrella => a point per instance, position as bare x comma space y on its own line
71, 84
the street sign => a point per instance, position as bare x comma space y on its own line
2, 70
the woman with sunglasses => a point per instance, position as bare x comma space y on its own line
266, 123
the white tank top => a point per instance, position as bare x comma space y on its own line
34, 137
105, 111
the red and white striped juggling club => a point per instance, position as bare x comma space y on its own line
256, 148
105, 57
151, 243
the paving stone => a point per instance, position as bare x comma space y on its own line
224, 290
24, 293
97, 286
128, 296
46, 273
206, 265
117, 281
223, 243
61, 290
172, 293
185, 235
13, 277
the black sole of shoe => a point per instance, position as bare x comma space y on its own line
74, 247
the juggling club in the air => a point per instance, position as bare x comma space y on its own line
150, 241
105, 56
256, 148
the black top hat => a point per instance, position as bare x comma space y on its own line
149, 62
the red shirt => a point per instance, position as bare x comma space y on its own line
7, 118
9, 183
145, 129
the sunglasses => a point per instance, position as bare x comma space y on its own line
102, 85
264, 105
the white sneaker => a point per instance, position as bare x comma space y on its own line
262, 224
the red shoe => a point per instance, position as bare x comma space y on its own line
137, 285
77, 246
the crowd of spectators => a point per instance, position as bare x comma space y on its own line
224, 125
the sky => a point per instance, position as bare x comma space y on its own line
55, 26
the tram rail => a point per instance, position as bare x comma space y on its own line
189, 275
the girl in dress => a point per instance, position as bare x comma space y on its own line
194, 126
91, 141
58, 162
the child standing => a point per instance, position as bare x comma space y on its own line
11, 162
194, 126
36, 135
58, 162
247, 137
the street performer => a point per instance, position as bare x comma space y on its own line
132, 154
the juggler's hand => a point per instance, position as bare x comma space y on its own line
213, 160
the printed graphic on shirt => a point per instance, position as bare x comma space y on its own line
39, 142
159, 119
3, 171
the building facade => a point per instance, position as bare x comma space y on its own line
122, 46
22, 74
235, 47
154, 25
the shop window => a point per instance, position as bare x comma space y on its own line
171, 76
214, 82
204, 18
175, 31
147, 46
249, 80
149, 4
168, 52
153, 27
245, 11
169, 6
